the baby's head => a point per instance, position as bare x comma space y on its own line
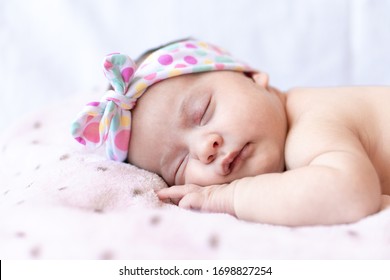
204, 117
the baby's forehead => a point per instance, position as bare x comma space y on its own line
194, 79
177, 86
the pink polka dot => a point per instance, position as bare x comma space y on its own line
180, 65
127, 73
122, 140
165, 59
91, 132
190, 46
190, 59
150, 76
107, 65
81, 140
144, 65
94, 104
219, 66
217, 50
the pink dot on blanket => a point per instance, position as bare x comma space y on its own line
122, 140
91, 132
165, 59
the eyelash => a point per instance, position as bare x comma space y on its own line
204, 112
179, 166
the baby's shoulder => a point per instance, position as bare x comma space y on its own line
327, 99
304, 100
325, 119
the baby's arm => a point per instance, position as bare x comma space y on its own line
385, 202
336, 187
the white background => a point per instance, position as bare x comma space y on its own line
50, 50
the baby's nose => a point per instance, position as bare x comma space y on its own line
207, 148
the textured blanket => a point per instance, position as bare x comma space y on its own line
59, 201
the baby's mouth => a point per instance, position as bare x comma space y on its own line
232, 160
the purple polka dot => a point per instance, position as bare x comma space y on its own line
165, 59
190, 59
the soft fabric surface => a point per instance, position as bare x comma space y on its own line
59, 201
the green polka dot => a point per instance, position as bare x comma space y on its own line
160, 68
118, 59
110, 107
171, 47
223, 59
201, 53
118, 85
75, 127
202, 68
114, 123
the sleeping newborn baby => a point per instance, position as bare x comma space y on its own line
225, 140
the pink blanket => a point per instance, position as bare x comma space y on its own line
59, 201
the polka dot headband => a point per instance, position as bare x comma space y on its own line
109, 120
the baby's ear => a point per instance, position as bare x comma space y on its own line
261, 78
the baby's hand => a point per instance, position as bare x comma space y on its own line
215, 198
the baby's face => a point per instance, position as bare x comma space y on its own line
208, 128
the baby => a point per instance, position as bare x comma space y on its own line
225, 140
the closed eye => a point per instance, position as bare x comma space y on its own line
179, 173
207, 112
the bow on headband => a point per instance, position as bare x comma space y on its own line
109, 120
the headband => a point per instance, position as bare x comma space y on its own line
109, 120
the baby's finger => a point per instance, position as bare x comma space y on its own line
175, 191
169, 193
192, 201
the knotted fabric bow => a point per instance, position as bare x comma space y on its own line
109, 121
